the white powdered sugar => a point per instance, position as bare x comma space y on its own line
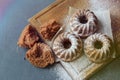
61, 74
79, 68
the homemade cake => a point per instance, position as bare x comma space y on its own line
49, 29
28, 37
40, 55
83, 23
98, 47
67, 46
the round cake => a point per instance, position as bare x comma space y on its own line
98, 47
83, 23
67, 46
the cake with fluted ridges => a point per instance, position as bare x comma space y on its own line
83, 23
98, 47
67, 46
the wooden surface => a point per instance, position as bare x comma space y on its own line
59, 9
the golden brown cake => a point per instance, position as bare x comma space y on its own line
83, 23
98, 47
67, 46
28, 37
49, 29
40, 55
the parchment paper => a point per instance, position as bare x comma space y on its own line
79, 68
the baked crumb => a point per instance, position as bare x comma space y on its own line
49, 29
40, 55
28, 37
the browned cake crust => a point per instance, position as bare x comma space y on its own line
83, 23
49, 29
28, 37
40, 55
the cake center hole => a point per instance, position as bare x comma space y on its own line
66, 43
83, 19
98, 44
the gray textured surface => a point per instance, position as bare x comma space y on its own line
110, 72
12, 63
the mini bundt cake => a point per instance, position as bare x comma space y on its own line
98, 47
83, 23
67, 46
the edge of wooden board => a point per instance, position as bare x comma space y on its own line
33, 20
98, 67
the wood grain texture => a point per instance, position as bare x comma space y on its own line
58, 10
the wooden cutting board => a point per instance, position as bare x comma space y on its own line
59, 9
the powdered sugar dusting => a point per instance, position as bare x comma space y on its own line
78, 68
103, 4
61, 74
